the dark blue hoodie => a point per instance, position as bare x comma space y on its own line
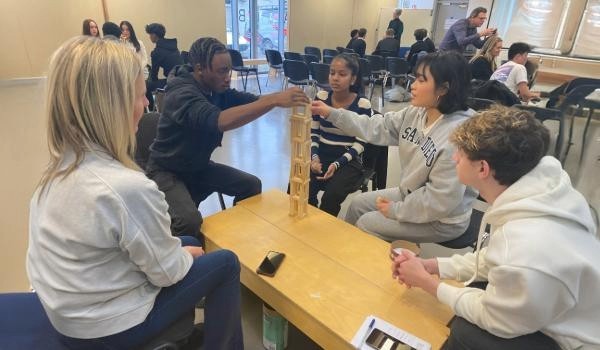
188, 130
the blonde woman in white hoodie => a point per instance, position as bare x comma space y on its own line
542, 262
101, 256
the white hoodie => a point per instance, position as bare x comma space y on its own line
100, 248
542, 264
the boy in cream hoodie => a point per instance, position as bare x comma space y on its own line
542, 262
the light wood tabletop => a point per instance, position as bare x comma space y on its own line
333, 276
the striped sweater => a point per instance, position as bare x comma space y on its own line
323, 132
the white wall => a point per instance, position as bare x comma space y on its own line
34, 29
324, 24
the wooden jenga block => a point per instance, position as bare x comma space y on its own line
300, 160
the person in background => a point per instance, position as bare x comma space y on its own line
513, 73
353, 36
199, 106
422, 44
540, 270
430, 204
111, 30
101, 256
483, 64
336, 159
388, 44
165, 55
397, 25
360, 45
464, 32
90, 28
128, 36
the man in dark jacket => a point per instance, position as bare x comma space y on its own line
397, 25
423, 43
199, 106
388, 44
353, 36
360, 45
166, 56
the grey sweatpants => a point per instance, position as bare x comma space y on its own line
363, 214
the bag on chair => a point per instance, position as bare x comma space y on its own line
397, 94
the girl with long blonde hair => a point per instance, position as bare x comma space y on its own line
484, 64
101, 256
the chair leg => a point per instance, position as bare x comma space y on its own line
584, 136
258, 83
383, 82
559, 138
374, 186
268, 76
221, 200
155, 109
244, 80
570, 140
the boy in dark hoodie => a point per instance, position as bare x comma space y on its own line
166, 56
199, 106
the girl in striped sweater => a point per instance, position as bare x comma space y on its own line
336, 164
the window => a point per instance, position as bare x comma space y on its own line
585, 44
551, 26
256, 25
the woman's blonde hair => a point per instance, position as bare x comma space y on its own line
90, 101
486, 51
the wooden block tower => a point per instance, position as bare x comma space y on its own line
300, 160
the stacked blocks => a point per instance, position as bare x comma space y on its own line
300, 160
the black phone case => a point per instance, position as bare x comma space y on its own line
271, 264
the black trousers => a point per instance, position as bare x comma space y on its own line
464, 335
335, 190
184, 192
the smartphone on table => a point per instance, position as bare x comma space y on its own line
379, 340
270, 263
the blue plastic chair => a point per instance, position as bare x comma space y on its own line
24, 324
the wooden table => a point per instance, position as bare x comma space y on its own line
334, 275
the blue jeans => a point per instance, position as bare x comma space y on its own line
215, 276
